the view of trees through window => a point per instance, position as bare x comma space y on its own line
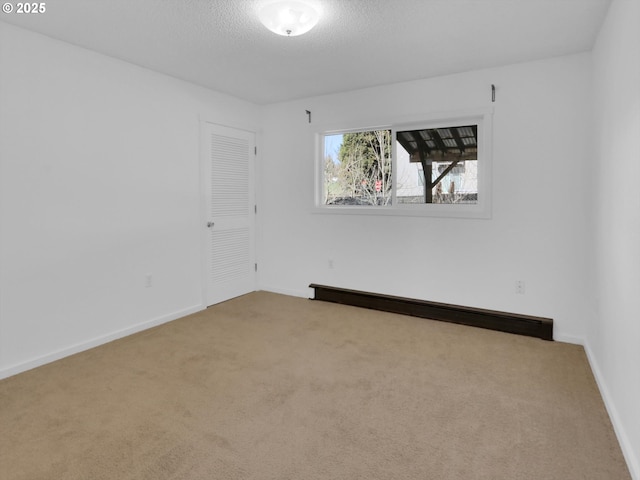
357, 168
433, 165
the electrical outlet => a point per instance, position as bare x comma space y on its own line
520, 287
330, 263
148, 280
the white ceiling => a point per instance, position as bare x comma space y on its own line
221, 44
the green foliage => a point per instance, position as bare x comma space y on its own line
363, 170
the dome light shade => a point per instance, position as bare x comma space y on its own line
289, 17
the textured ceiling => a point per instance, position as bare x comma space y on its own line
221, 44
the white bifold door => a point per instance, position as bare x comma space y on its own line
228, 180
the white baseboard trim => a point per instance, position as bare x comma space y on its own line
559, 337
630, 454
95, 342
306, 293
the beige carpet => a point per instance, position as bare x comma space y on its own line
274, 387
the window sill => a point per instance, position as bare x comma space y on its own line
437, 211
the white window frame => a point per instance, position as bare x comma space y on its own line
483, 118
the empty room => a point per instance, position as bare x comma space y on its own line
320, 239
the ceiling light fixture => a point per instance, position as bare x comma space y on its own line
289, 17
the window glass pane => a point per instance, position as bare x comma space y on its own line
438, 165
357, 168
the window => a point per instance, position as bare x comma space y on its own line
437, 167
357, 168
445, 158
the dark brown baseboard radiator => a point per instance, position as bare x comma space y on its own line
530, 326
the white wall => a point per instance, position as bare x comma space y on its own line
99, 172
539, 222
614, 339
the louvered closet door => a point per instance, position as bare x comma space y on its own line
229, 186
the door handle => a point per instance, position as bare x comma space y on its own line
210, 224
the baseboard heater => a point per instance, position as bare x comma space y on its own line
530, 326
